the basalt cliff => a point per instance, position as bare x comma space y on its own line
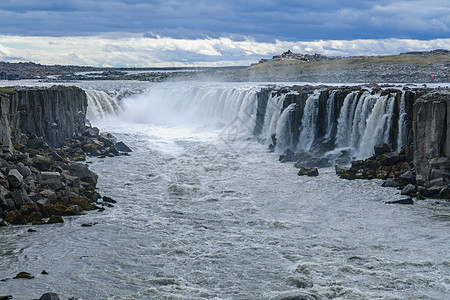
43, 139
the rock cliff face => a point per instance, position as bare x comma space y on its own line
431, 128
55, 113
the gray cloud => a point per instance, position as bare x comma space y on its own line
264, 20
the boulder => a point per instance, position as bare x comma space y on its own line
409, 189
72, 210
36, 143
43, 204
23, 169
91, 132
389, 158
401, 201
55, 219
42, 163
15, 218
49, 194
308, 172
15, 179
52, 179
23, 275
82, 171
381, 149
49, 296
20, 197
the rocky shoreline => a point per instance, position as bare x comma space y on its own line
41, 177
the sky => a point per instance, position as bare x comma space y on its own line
154, 33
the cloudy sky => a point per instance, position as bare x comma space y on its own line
214, 32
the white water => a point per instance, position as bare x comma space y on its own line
206, 213
309, 122
402, 123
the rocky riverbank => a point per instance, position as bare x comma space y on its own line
44, 140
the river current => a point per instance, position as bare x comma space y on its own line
204, 211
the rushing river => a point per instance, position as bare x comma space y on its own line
206, 212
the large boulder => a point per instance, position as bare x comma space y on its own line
312, 172
122, 147
381, 149
15, 179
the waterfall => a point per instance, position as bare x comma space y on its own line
309, 122
364, 120
345, 120
330, 115
284, 134
101, 104
363, 110
402, 124
273, 112
379, 125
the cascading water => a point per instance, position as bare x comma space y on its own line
284, 134
101, 104
309, 122
402, 124
345, 120
330, 115
365, 118
379, 125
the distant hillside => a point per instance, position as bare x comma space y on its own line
425, 66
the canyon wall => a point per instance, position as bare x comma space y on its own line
54, 113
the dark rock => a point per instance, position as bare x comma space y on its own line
82, 171
55, 219
6, 297
24, 275
23, 170
437, 182
89, 224
402, 201
31, 230
381, 149
49, 194
44, 272
308, 172
49, 296
20, 197
409, 189
91, 132
122, 147
432, 191
36, 143
389, 158
43, 204
390, 182
445, 192
72, 210
15, 179
108, 199
42, 163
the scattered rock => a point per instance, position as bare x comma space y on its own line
49, 296
308, 172
55, 219
31, 230
402, 201
24, 275
381, 149
122, 147
108, 199
15, 179
409, 189
44, 272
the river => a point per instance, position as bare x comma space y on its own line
205, 211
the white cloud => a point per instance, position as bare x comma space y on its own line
142, 51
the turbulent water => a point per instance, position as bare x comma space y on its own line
206, 212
